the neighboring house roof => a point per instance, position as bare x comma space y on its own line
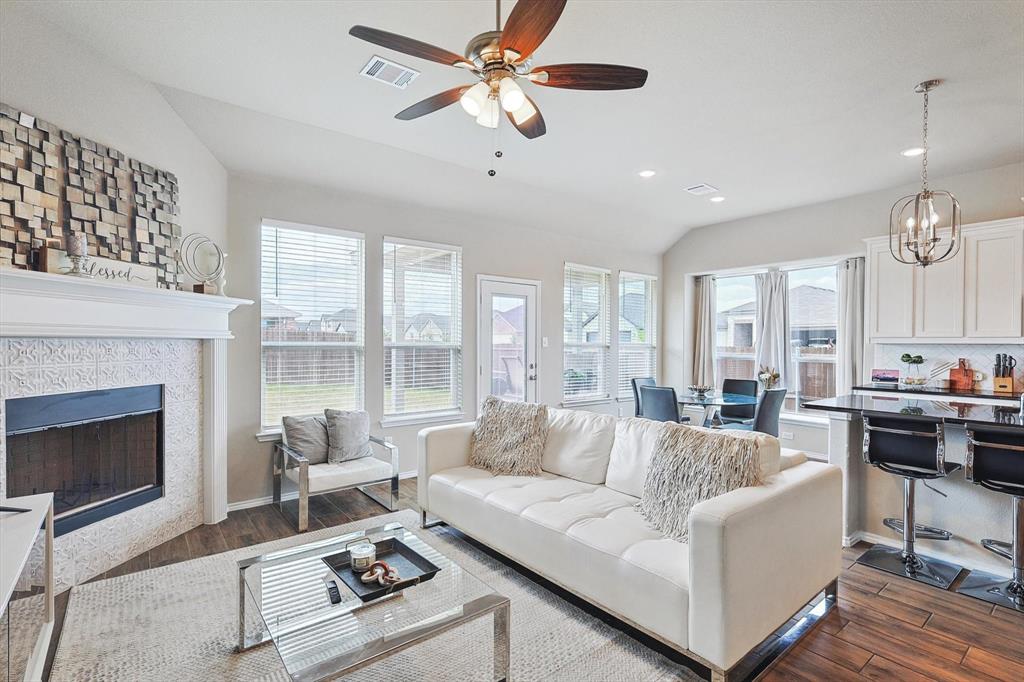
813, 308
270, 308
344, 320
632, 308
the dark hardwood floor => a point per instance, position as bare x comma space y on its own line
885, 627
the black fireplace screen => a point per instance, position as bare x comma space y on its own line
98, 452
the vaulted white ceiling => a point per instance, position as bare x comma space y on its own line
776, 103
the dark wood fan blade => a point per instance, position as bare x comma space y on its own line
589, 76
531, 127
529, 24
416, 48
432, 104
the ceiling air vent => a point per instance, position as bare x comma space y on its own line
701, 189
380, 69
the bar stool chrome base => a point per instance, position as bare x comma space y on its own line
920, 532
923, 569
995, 589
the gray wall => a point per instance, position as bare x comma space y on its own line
50, 74
493, 248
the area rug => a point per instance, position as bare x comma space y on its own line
179, 622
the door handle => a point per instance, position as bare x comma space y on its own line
532, 377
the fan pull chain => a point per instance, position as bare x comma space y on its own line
496, 140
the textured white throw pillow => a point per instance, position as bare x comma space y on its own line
348, 432
509, 437
691, 465
306, 436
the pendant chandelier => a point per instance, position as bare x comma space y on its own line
924, 228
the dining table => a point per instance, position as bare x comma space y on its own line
712, 402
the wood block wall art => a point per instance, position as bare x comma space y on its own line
53, 182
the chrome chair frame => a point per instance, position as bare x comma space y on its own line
906, 561
287, 458
1007, 592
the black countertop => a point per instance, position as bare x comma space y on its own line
934, 390
950, 412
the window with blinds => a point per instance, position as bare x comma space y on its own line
586, 341
638, 334
422, 329
311, 321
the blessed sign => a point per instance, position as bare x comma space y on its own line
133, 274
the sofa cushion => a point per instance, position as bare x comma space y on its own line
631, 452
587, 537
509, 437
579, 444
635, 439
790, 458
330, 475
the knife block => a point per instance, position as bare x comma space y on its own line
1003, 384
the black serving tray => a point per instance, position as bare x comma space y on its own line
413, 568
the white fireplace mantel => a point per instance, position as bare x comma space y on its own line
38, 304
44, 304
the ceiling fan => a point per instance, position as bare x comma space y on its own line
498, 59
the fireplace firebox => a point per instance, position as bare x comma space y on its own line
99, 452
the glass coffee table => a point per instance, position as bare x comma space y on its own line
283, 598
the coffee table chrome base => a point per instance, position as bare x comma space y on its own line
994, 589
923, 569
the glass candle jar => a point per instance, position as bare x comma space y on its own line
362, 556
77, 244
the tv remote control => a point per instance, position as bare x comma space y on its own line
333, 593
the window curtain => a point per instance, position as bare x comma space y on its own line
704, 342
850, 344
771, 326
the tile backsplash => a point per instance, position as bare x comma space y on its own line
979, 357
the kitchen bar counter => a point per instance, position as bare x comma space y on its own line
950, 412
934, 390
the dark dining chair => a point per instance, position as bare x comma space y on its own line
738, 414
661, 404
766, 413
637, 398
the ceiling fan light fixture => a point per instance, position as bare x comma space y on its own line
524, 113
488, 117
474, 99
512, 97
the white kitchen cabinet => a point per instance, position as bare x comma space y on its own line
939, 299
994, 286
977, 297
891, 309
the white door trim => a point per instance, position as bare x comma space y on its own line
481, 319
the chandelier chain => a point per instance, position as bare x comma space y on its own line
924, 145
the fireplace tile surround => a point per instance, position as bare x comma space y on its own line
40, 366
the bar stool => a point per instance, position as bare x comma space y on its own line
995, 460
912, 447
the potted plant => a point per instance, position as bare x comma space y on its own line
913, 375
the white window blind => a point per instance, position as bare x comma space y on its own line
311, 325
422, 329
638, 334
586, 349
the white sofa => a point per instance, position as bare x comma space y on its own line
756, 555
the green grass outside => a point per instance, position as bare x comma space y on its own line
342, 398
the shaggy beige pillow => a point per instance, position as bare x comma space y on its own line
509, 437
691, 465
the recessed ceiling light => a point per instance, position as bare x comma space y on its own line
718, 200
647, 173
913, 151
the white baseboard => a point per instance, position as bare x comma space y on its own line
260, 501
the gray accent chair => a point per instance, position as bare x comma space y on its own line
317, 479
738, 414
